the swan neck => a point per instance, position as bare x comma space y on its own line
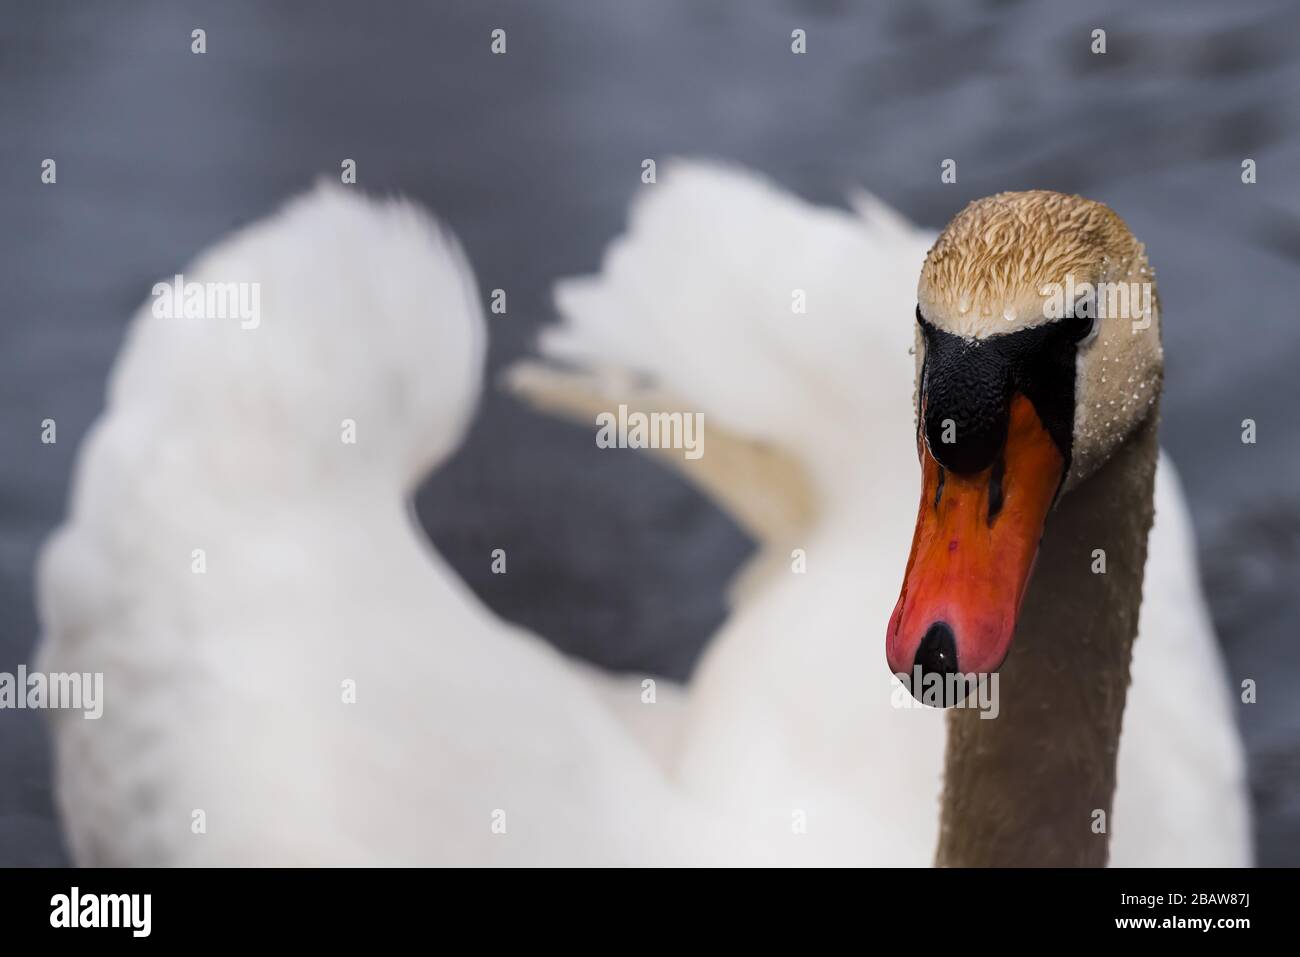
1034, 786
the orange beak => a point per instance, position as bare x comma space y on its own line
972, 553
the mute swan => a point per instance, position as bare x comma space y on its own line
469, 740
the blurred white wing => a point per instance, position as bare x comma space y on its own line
291, 675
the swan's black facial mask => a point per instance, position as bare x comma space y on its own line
994, 436
967, 386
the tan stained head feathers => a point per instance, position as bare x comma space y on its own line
986, 272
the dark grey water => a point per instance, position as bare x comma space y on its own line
532, 156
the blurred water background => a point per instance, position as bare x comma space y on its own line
532, 157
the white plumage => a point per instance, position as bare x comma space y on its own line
223, 690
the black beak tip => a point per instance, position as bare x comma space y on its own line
936, 659
937, 652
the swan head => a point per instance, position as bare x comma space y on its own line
1038, 355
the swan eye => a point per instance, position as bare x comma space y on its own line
1079, 329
